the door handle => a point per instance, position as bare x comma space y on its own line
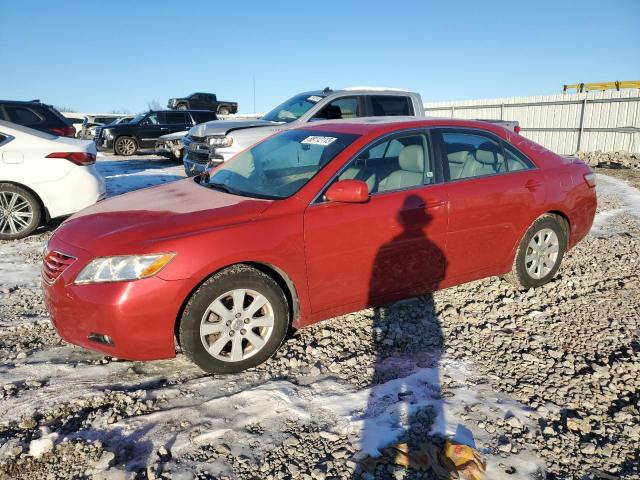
532, 185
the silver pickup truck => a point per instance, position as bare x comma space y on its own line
214, 142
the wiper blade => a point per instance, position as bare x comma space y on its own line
222, 187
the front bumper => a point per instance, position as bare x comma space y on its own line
140, 326
103, 144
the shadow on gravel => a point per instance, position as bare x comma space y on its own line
411, 410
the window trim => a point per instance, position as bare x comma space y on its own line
438, 131
318, 199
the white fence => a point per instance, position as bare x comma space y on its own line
564, 123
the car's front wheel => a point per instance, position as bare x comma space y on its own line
223, 111
235, 320
540, 253
182, 106
20, 212
125, 146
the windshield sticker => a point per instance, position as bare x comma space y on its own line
314, 98
324, 141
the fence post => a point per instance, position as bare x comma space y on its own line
502, 111
452, 110
584, 104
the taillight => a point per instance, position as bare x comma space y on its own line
590, 178
79, 158
516, 129
69, 131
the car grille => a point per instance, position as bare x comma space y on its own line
53, 264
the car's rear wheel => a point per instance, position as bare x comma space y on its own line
236, 320
126, 146
540, 253
20, 212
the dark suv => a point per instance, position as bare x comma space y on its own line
144, 129
36, 115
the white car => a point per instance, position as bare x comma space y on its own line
43, 176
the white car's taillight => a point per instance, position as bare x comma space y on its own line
79, 158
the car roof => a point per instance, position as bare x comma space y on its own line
372, 125
24, 102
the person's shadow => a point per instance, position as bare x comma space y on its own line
405, 402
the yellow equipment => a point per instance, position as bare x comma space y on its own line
587, 87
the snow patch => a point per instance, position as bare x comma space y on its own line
630, 196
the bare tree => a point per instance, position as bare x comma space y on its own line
120, 111
64, 109
154, 104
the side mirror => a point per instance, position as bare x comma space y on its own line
348, 191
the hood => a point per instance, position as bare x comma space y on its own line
127, 222
222, 127
173, 136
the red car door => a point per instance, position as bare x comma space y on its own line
491, 203
364, 254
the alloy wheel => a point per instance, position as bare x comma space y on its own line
127, 146
542, 253
237, 325
16, 213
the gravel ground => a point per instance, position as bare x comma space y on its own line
544, 382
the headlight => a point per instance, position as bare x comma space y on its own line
122, 268
220, 141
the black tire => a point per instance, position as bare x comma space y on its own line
20, 212
182, 106
125, 146
223, 111
228, 280
520, 275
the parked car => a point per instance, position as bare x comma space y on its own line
143, 130
43, 176
36, 115
92, 123
311, 223
171, 146
117, 121
215, 142
203, 101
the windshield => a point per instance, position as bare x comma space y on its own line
137, 118
293, 108
281, 165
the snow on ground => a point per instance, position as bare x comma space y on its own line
628, 195
191, 409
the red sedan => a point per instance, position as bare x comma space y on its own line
309, 224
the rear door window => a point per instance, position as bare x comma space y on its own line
516, 160
23, 115
472, 155
390, 105
177, 118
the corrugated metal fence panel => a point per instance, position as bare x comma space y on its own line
555, 120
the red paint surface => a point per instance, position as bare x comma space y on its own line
338, 257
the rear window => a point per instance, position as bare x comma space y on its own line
390, 106
23, 115
201, 117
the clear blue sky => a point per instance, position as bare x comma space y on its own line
105, 55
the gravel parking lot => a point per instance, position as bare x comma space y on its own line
543, 382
